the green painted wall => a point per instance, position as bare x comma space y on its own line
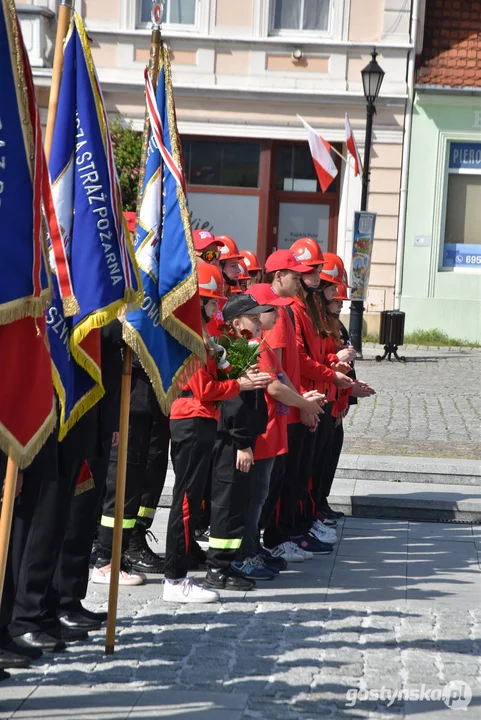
434, 298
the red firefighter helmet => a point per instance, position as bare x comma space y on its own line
204, 238
341, 293
251, 261
308, 252
333, 269
244, 273
210, 281
228, 250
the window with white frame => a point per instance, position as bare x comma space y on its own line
300, 15
176, 12
462, 220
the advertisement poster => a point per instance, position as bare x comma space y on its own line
364, 223
462, 255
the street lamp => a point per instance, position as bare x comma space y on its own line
372, 77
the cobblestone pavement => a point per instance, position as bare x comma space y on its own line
429, 406
396, 606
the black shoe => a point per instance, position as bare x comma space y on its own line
42, 640
202, 536
4, 675
12, 660
140, 555
91, 615
223, 580
78, 621
330, 513
273, 562
68, 634
29, 652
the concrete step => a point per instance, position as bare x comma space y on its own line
399, 469
407, 500
435, 502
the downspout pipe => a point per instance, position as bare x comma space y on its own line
408, 125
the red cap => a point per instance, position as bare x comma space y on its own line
285, 260
204, 238
130, 216
265, 295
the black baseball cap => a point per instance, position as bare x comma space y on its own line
244, 304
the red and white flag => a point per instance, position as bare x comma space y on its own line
352, 147
321, 156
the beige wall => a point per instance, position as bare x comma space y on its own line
234, 13
365, 20
107, 10
290, 64
232, 62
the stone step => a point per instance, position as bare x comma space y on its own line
435, 502
399, 469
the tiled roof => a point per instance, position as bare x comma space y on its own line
452, 44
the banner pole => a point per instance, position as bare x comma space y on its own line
8, 501
119, 500
157, 9
63, 24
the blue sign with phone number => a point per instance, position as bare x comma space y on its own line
461, 255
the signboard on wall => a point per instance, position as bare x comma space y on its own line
462, 255
298, 220
226, 214
465, 156
363, 239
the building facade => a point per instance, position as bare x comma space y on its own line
441, 285
243, 70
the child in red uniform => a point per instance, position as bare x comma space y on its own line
284, 273
273, 443
193, 424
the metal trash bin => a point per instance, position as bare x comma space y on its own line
391, 333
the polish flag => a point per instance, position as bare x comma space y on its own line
321, 157
352, 147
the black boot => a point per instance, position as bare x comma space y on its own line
139, 554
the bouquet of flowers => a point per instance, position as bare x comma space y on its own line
235, 354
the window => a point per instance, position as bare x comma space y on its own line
222, 163
300, 15
295, 170
462, 227
176, 12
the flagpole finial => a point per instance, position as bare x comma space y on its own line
157, 14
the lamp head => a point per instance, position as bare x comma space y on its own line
372, 77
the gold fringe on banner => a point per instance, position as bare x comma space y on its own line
190, 366
24, 307
23, 455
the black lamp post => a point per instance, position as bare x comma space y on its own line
372, 77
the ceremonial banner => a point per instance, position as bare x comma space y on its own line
88, 205
27, 404
364, 224
166, 332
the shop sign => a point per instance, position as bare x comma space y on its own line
364, 224
465, 156
462, 255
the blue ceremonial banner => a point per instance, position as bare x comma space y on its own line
24, 288
166, 332
87, 201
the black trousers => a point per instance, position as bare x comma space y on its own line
40, 521
229, 500
332, 461
288, 486
192, 445
71, 577
147, 461
323, 449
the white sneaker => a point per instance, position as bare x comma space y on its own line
289, 551
306, 554
101, 576
323, 533
188, 590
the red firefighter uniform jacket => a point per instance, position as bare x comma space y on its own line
203, 393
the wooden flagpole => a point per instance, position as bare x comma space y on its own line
157, 9
8, 500
12, 469
63, 23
